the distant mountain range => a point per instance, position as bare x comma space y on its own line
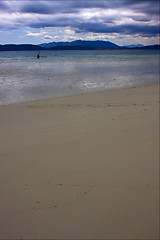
80, 43
20, 47
135, 45
75, 45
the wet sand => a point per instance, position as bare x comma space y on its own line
81, 167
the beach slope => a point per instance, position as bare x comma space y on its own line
81, 167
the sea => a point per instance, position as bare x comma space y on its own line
24, 77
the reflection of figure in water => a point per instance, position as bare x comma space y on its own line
38, 55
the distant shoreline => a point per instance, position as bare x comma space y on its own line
83, 45
79, 94
122, 49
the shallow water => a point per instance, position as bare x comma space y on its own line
23, 77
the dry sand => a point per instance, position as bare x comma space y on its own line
81, 167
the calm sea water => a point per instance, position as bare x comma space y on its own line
23, 77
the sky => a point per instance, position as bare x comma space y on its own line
122, 22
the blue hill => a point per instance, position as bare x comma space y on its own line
80, 43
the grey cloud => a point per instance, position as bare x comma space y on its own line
123, 29
53, 22
150, 7
3, 6
47, 7
9, 6
97, 27
33, 7
90, 4
46, 14
141, 19
140, 29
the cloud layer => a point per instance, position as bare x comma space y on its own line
131, 17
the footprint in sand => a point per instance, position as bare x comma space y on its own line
53, 195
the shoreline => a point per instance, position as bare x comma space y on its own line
82, 166
78, 94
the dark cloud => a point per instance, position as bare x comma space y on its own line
3, 6
141, 19
48, 7
140, 29
66, 13
98, 27
90, 4
40, 8
143, 6
123, 29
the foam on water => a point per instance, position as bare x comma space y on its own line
23, 77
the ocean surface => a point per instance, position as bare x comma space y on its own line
23, 77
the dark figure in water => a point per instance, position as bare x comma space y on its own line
38, 56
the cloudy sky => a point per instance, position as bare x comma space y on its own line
120, 21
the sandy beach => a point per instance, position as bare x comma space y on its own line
81, 167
